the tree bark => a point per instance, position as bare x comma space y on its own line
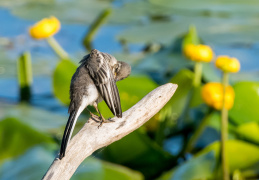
90, 138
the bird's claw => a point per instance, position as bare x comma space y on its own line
105, 121
95, 118
100, 119
110, 120
101, 123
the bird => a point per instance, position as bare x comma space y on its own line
94, 80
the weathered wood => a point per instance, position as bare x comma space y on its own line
90, 138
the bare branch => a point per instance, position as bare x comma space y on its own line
90, 138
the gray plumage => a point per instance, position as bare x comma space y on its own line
94, 81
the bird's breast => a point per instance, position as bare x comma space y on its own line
93, 94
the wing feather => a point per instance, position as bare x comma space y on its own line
104, 80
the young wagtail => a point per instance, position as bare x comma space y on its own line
94, 81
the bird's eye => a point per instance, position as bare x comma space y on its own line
117, 68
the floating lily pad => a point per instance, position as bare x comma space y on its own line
147, 156
38, 119
35, 162
241, 155
229, 30
162, 65
96, 169
17, 137
81, 11
200, 167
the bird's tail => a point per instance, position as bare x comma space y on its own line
67, 133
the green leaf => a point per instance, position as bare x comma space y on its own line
200, 167
61, 80
17, 137
164, 61
246, 104
31, 165
191, 37
147, 157
35, 162
214, 120
241, 155
96, 169
196, 98
249, 131
237, 175
131, 91
177, 103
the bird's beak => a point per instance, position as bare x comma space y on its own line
115, 77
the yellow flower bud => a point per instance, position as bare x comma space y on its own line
198, 53
212, 94
45, 28
227, 64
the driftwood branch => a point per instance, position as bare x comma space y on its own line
90, 138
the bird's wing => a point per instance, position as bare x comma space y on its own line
101, 73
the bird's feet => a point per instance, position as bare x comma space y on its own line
95, 117
100, 119
104, 121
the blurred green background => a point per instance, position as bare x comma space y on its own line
148, 35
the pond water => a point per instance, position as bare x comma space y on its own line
17, 41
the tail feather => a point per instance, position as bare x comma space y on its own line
67, 133
117, 102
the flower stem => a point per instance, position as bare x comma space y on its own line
197, 74
57, 48
101, 19
224, 131
24, 72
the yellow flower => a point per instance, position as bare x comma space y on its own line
227, 64
45, 28
212, 94
198, 53
189, 50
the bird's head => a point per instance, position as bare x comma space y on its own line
122, 70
